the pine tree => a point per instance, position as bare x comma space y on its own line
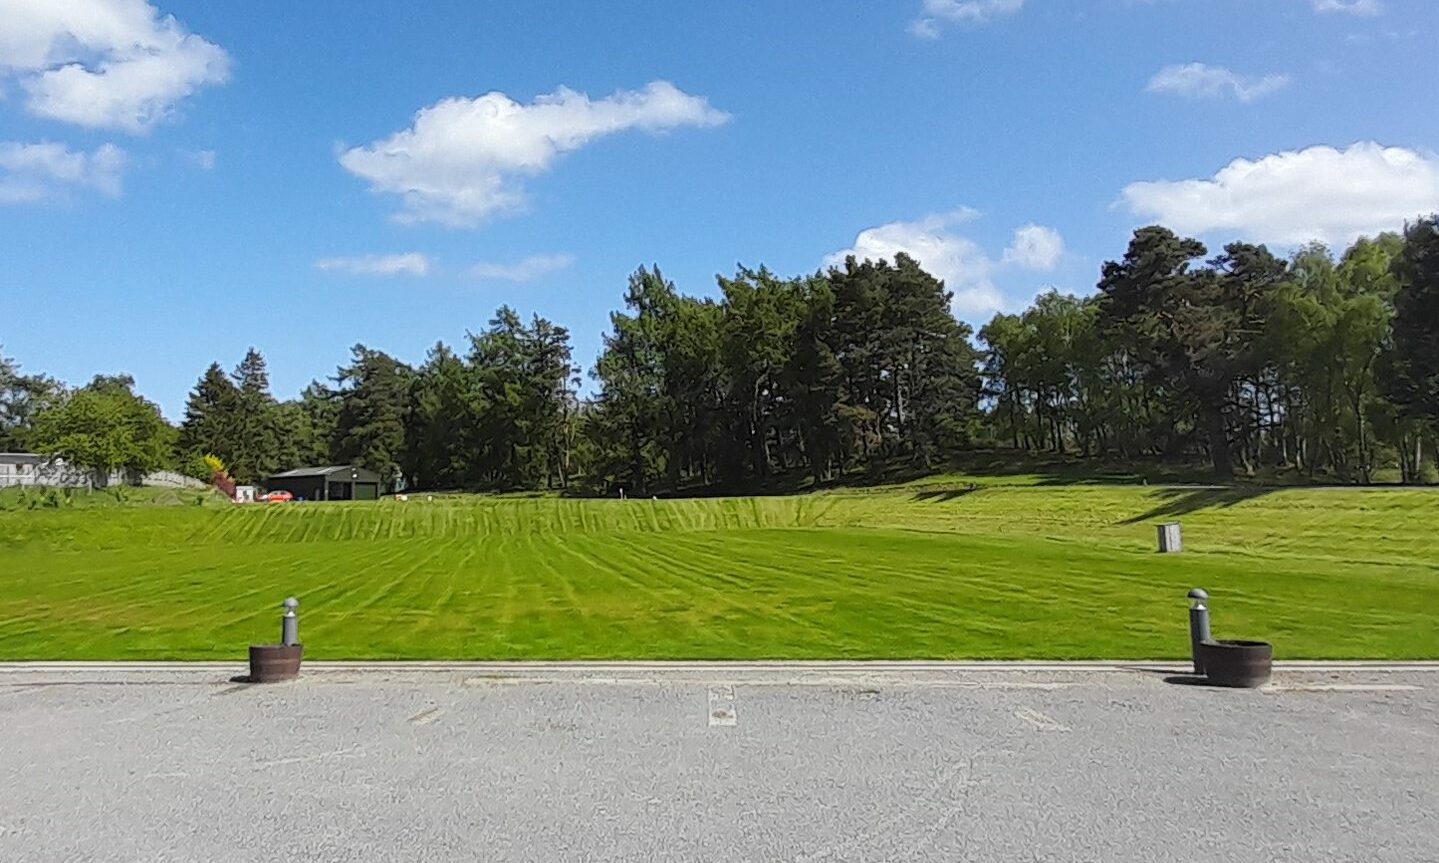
1203, 328
1414, 379
321, 407
624, 425
932, 363
374, 395
209, 424
437, 434
1411, 366
813, 380
253, 423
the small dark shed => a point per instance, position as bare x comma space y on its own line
340, 482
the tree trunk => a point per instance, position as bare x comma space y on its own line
1218, 438
637, 467
1364, 469
759, 440
1013, 419
1041, 441
899, 410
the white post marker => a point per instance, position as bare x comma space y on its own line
1171, 538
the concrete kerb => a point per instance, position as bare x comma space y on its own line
859, 665
926, 673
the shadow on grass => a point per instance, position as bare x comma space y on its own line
940, 495
1042, 469
1052, 469
1047, 469
1021, 467
1182, 501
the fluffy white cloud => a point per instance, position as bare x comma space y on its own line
1200, 81
41, 172
526, 270
1292, 197
938, 12
962, 264
1361, 8
1035, 247
464, 160
408, 264
114, 64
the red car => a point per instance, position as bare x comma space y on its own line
279, 497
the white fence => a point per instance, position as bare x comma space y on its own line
170, 479
30, 472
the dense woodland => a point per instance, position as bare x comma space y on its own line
1322, 365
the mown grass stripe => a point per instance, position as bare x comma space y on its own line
922, 572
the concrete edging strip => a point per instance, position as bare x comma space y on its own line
592, 667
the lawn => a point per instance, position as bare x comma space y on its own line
931, 570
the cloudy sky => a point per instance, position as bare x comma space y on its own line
180, 180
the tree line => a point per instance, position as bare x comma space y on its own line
1323, 364
1326, 366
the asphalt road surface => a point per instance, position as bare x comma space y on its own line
721, 763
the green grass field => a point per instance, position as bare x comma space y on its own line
930, 570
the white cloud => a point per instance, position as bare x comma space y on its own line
41, 172
924, 28
972, 12
1300, 195
464, 160
202, 159
960, 262
526, 270
1035, 247
114, 64
1360, 8
408, 264
1200, 81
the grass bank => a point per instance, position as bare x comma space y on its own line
937, 569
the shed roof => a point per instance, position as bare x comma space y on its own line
360, 473
21, 458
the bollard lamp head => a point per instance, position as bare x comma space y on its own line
1197, 597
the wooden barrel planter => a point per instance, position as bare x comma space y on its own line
272, 663
1242, 664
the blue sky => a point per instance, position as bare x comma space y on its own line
181, 180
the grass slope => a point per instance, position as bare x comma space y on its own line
932, 570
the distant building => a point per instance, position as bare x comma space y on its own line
339, 482
30, 469
25, 469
